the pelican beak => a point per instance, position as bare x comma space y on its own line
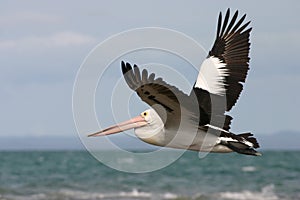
135, 122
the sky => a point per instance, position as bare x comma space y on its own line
43, 44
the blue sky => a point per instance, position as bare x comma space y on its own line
42, 45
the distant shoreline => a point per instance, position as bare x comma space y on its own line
280, 141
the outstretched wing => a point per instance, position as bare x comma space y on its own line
225, 69
223, 72
155, 91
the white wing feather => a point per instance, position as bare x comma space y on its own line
212, 76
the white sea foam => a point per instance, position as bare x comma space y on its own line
169, 196
66, 194
249, 169
135, 193
70, 194
267, 193
94, 195
39, 196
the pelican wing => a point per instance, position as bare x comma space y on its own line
225, 69
155, 91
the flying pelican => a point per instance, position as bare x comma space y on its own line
197, 121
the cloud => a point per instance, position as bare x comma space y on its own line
14, 19
57, 40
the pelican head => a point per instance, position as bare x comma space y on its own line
148, 126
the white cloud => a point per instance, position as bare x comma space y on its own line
61, 39
13, 19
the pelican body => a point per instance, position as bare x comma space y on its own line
197, 121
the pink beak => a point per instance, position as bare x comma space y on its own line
135, 122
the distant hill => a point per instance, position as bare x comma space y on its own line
40, 143
67, 143
285, 140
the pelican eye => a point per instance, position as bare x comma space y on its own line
145, 114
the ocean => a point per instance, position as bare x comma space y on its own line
75, 175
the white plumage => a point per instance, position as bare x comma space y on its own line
212, 76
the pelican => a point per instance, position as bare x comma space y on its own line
198, 121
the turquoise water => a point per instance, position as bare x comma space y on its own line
70, 175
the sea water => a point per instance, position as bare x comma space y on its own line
74, 175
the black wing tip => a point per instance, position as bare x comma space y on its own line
129, 75
227, 12
224, 28
126, 67
123, 63
136, 69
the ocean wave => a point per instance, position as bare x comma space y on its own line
134, 194
66, 194
266, 193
